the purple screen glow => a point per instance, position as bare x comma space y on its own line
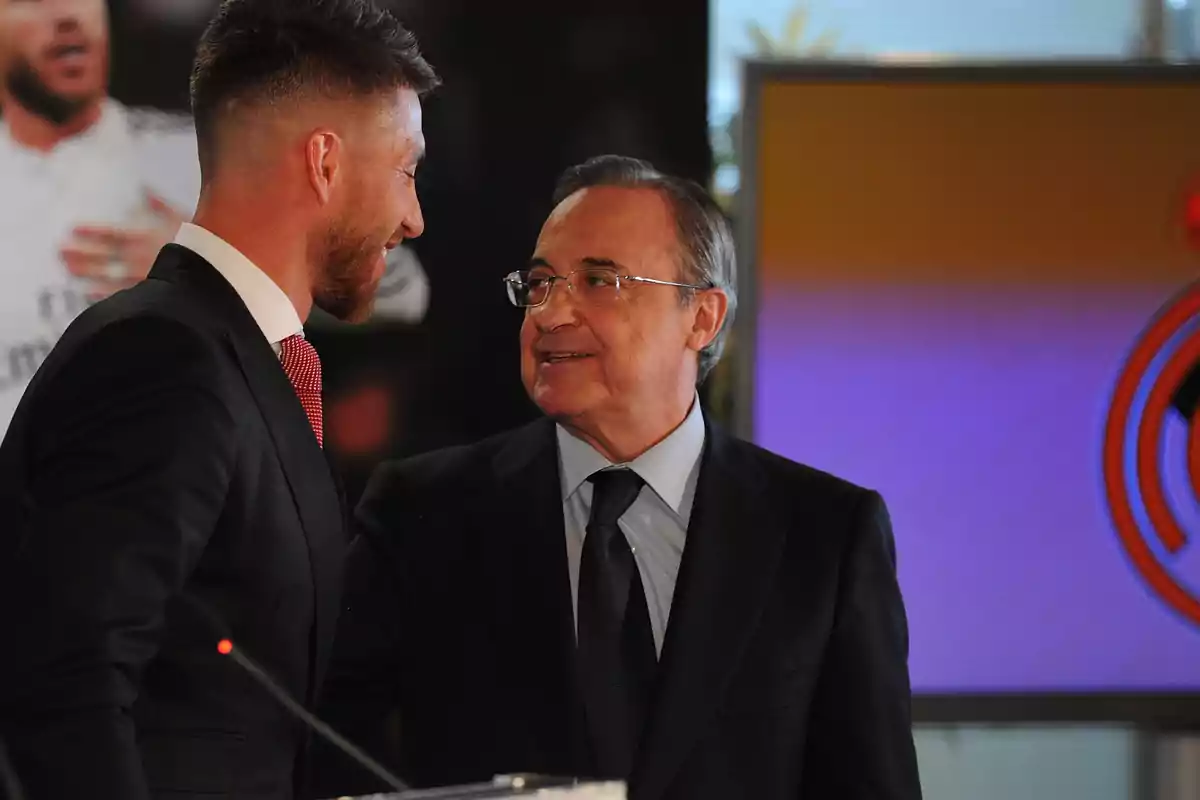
978, 413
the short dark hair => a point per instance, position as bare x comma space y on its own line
708, 254
271, 50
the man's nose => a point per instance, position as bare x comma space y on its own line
560, 308
414, 223
66, 16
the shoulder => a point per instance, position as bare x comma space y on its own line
150, 333
126, 371
422, 479
823, 518
815, 503
783, 477
445, 489
170, 305
152, 124
171, 331
130, 339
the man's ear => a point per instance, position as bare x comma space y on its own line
709, 309
323, 153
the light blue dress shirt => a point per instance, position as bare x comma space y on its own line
655, 525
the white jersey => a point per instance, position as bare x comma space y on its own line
100, 177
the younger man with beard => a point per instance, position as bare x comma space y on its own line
162, 483
92, 189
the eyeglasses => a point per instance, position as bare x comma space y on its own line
592, 285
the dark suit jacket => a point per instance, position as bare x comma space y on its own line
783, 673
160, 487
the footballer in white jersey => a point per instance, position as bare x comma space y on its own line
100, 179
90, 190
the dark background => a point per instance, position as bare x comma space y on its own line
530, 88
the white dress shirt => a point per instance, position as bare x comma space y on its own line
655, 525
264, 299
100, 177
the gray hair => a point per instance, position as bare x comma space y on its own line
708, 255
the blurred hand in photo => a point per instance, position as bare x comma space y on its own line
115, 257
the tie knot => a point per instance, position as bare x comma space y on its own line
615, 491
301, 363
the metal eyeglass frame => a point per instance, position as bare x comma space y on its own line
517, 276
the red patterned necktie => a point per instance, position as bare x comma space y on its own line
303, 368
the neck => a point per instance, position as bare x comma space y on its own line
38, 133
622, 437
254, 225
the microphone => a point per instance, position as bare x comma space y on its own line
502, 786
226, 648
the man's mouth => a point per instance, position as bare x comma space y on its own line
73, 59
64, 51
562, 356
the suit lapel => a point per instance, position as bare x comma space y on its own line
529, 538
308, 478
300, 457
728, 567
339, 488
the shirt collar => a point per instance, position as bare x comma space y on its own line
665, 467
265, 301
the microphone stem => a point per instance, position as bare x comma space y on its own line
8, 774
329, 733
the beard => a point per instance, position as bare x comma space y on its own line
347, 286
27, 88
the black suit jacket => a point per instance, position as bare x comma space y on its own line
160, 487
783, 672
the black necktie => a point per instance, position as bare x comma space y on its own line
616, 651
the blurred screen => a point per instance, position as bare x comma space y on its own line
951, 274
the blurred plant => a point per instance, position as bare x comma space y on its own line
793, 41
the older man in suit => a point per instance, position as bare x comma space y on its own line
621, 589
162, 484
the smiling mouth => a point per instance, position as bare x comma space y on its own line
559, 358
68, 50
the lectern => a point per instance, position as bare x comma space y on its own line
533, 787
